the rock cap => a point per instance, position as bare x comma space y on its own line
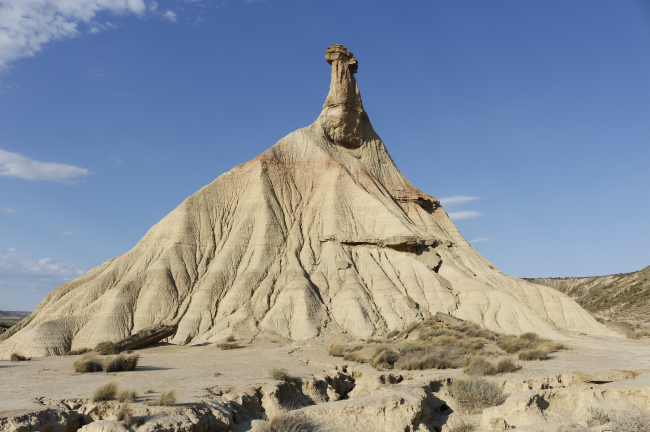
339, 52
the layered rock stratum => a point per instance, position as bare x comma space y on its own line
320, 233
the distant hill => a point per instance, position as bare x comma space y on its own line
623, 296
12, 316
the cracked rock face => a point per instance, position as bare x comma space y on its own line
262, 247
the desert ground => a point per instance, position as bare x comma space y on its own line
232, 390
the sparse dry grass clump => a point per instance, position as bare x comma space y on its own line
430, 359
632, 419
105, 392
392, 334
15, 357
167, 398
228, 343
88, 363
107, 348
637, 334
506, 365
340, 350
462, 425
598, 416
79, 351
446, 343
286, 422
279, 374
124, 415
474, 394
533, 354
355, 356
126, 395
384, 358
92, 363
478, 366
121, 363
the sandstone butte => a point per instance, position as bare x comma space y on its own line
319, 234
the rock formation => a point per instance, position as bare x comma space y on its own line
320, 233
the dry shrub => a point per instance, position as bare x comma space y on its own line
392, 334
506, 365
15, 357
280, 374
285, 422
88, 363
526, 342
79, 351
165, 399
355, 356
337, 350
124, 415
632, 419
228, 345
340, 350
636, 334
105, 392
126, 395
474, 394
533, 354
385, 358
121, 363
431, 359
478, 366
462, 426
597, 417
106, 348
150, 391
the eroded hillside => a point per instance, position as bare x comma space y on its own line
623, 296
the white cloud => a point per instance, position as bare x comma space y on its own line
170, 16
25, 282
17, 165
478, 240
17, 265
457, 199
67, 233
27, 25
462, 215
8, 210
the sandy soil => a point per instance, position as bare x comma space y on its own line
191, 369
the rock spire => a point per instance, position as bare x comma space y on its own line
343, 118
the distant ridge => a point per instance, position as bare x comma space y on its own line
623, 296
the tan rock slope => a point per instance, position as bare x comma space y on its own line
321, 233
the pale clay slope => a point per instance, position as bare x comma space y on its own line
320, 233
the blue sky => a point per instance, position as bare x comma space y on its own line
529, 119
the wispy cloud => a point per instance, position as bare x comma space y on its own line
17, 165
16, 265
170, 16
463, 215
8, 210
67, 233
24, 282
457, 199
27, 25
479, 240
